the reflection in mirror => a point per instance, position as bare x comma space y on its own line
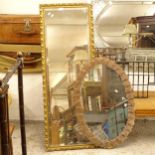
104, 101
111, 18
65, 27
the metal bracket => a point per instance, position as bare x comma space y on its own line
27, 26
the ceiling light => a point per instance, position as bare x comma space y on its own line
60, 9
149, 2
150, 11
130, 29
110, 2
49, 14
52, 15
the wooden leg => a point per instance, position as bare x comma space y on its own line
11, 146
4, 126
21, 110
11, 128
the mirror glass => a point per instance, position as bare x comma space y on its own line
65, 28
104, 101
113, 17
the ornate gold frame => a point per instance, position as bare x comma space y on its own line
44, 68
84, 128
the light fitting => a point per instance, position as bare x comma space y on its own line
130, 29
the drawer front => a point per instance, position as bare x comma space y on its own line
24, 31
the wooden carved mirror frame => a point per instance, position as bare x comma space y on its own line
45, 73
84, 128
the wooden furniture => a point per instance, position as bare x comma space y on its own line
74, 65
20, 33
146, 31
55, 126
5, 128
19, 29
145, 107
11, 129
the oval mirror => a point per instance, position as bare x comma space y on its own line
104, 103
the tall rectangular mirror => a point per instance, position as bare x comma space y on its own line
66, 40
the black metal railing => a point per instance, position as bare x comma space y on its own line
141, 73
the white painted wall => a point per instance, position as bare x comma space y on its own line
29, 6
33, 97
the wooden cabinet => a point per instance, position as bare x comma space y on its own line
20, 29
6, 128
20, 33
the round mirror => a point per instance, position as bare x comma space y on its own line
104, 103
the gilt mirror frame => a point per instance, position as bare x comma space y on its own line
46, 91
